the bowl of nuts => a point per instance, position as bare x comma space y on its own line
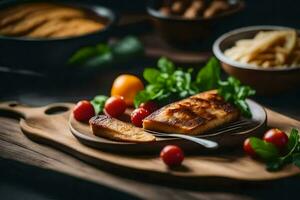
187, 21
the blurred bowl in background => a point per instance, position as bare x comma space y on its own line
46, 54
182, 31
266, 81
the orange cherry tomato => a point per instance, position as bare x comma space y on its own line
127, 86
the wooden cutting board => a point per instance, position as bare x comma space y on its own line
49, 124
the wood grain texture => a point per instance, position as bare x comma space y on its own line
53, 129
15, 145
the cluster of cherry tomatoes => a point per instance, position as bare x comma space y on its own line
173, 155
274, 136
123, 91
115, 106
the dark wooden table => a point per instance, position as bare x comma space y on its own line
33, 171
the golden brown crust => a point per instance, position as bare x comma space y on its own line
115, 129
194, 115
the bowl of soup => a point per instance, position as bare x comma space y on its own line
43, 35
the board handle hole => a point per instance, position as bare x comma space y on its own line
56, 110
12, 105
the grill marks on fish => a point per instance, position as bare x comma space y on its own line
190, 117
193, 115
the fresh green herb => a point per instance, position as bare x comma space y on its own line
165, 65
268, 153
208, 78
98, 103
293, 139
167, 83
234, 92
106, 54
296, 159
151, 75
265, 150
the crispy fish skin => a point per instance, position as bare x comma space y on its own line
115, 129
192, 116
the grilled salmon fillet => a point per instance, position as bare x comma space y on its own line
192, 116
115, 129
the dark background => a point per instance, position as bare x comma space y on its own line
18, 181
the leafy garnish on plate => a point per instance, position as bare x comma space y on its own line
234, 92
167, 83
98, 103
265, 150
209, 76
270, 155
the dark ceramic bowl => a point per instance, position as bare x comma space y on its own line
48, 54
265, 81
179, 30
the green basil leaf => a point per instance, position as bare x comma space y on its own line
275, 165
153, 88
140, 97
150, 75
296, 159
209, 76
244, 108
100, 98
98, 103
264, 150
234, 92
167, 84
165, 65
293, 139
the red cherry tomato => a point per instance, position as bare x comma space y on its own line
172, 155
83, 111
151, 106
248, 148
138, 115
115, 106
276, 137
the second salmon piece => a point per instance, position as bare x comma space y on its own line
115, 129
